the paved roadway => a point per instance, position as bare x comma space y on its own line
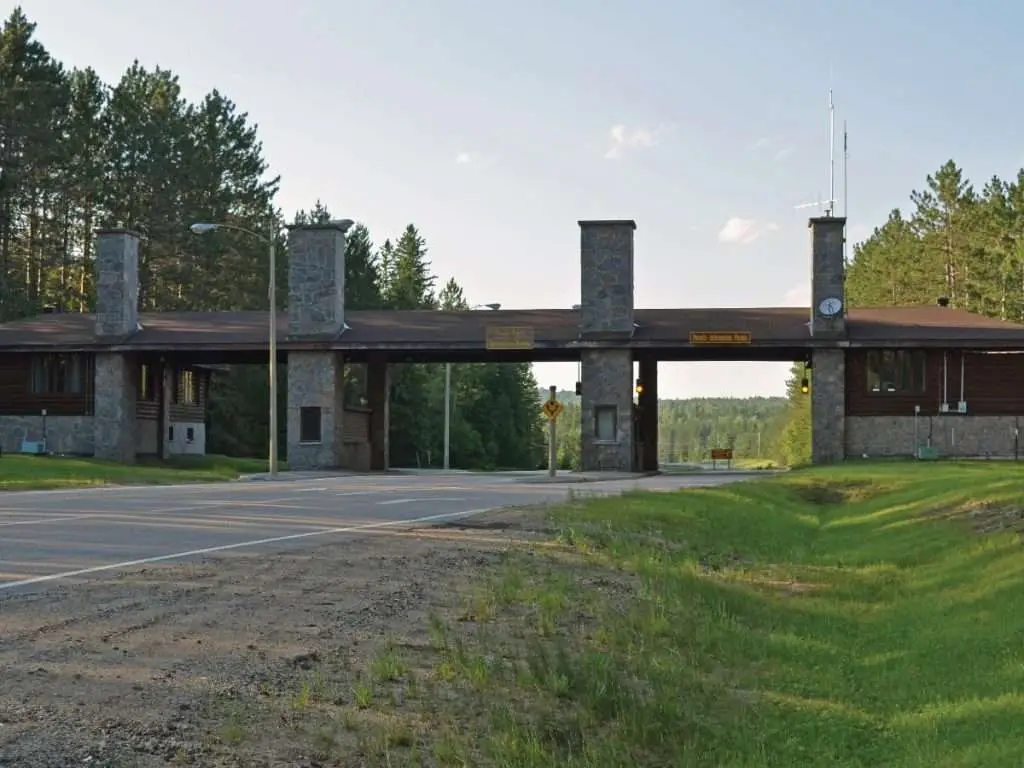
57, 536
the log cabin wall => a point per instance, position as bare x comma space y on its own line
60, 383
892, 382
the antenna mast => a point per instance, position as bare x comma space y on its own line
830, 204
830, 209
846, 156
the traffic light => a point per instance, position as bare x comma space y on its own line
805, 386
639, 387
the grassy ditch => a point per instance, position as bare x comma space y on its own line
861, 616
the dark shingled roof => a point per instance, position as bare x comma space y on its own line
418, 329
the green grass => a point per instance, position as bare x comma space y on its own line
870, 615
20, 472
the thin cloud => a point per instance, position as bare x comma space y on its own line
738, 231
797, 296
774, 145
624, 139
463, 158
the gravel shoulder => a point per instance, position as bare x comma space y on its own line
244, 660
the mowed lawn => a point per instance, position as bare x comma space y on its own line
871, 615
19, 472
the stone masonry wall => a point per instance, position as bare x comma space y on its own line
828, 406
828, 273
117, 283
953, 436
315, 379
606, 276
116, 394
68, 435
607, 380
316, 280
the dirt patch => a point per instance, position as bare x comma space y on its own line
247, 660
985, 517
832, 493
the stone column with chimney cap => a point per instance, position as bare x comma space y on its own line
828, 366
606, 315
117, 317
316, 312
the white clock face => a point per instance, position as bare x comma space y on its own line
830, 306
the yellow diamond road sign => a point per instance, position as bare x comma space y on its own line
553, 409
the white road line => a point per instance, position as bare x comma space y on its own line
238, 545
410, 501
47, 520
134, 514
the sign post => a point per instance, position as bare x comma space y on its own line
552, 409
721, 454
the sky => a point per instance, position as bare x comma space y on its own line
495, 127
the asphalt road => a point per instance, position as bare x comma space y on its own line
49, 537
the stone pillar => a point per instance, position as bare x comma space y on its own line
316, 387
828, 406
606, 320
828, 371
828, 276
378, 395
606, 411
117, 283
316, 280
316, 312
606, 277
117, 383
647, 404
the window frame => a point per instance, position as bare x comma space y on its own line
308, 411
186, 387
58, 374
600, 410
905, 371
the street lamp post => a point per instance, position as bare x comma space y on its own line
270, 240
495, 306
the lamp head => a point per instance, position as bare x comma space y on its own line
343, 224
201, 228
494, 305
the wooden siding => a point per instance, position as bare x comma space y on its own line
18, 399
195, 413
992, 385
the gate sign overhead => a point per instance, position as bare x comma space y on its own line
720, 337
509, 337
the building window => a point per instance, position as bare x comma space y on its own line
190, 434
309, 425
57, 374
186, 394
606, 425
148, 383
896, 371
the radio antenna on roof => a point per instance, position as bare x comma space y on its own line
829, 205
